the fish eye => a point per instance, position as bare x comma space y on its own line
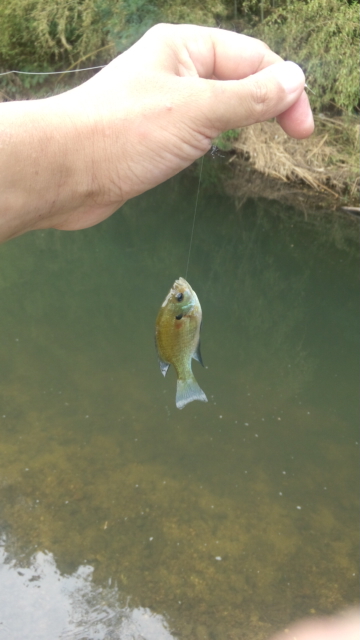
179, 317
179, 296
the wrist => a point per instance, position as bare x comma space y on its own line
50, 166
84, 139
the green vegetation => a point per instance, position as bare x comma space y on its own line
323, 37
225, 141
38, 33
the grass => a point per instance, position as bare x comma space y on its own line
327, 162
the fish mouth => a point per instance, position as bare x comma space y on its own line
180, 286
181, 282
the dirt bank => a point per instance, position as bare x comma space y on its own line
319, 172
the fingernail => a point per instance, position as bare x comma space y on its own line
290, 75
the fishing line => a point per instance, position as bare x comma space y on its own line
308, 88
50, 73
193, 224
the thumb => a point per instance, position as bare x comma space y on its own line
263, 95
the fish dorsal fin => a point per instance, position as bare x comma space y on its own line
197, 354
163, 367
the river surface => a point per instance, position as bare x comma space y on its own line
123, 518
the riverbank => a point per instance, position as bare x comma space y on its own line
319, 172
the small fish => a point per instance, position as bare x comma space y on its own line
177, 339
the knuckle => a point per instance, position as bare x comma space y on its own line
260, 96
159, 30
261, 45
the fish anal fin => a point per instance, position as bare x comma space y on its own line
163, 367
188, 390
197, 354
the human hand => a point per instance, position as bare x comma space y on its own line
161, 103
149, 114
342, 627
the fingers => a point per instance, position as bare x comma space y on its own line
275, 90
205, 52
229, 55
344, 627
266, 89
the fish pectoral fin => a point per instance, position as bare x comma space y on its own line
188, 390
163, 367
197, 354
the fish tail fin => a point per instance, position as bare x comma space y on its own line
188, 390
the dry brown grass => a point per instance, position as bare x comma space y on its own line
327, 163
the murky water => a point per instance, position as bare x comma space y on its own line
124, 518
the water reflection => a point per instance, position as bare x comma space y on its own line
38, 602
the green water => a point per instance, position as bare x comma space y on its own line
121, 516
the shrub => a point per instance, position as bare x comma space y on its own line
38, 34
323, 37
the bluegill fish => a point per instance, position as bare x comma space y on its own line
177, 339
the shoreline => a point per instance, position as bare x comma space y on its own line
320, 172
